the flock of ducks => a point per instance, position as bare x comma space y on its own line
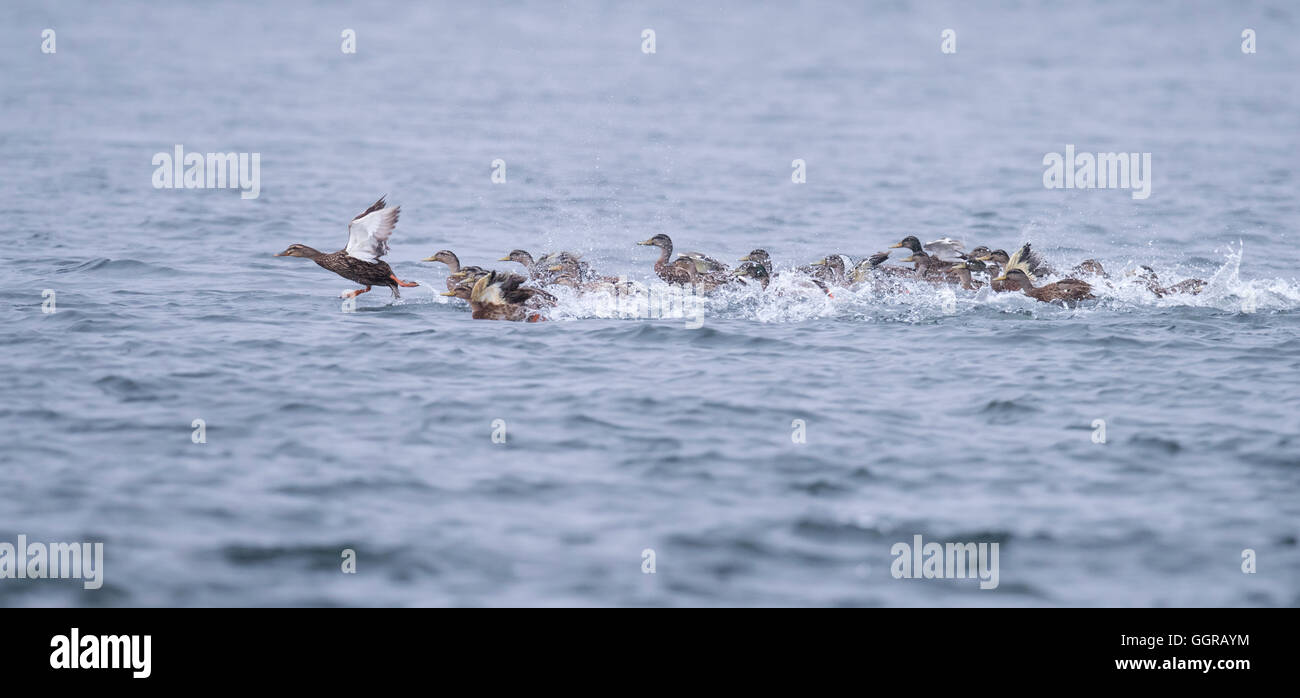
501, 295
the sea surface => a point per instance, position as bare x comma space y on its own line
931, 411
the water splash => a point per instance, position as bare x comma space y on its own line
791, 298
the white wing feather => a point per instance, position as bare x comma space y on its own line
368, 235
945, 249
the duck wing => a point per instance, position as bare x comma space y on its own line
1028, 261
703, 263
368, 233
946, 250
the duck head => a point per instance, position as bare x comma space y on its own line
519, 256
1017, 278
910, 242
296, 250
752, 270
446, 257
661, 241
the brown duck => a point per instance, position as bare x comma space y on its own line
500, 296
456, 274
368, 236
1149, 279
963, 272
708, 271
1066, 291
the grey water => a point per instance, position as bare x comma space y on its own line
932, 411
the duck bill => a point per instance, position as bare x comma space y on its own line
895, 245
745, 259
985, 258
957, 267
429, 259
447, 293
504, 259
1001, 278
646, 242
818, 263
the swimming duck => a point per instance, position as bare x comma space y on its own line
500, 296
703, 263
522, 257
874, 266
543, 269
368, 235
461, 291
453, 264
931, 269
831, 269
752, 272
761, 258
1089, 267
1148, 277
963, 272
708, 272
1067, 291
995, 261
578, 277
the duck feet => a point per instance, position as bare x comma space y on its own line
353, 294
407, 284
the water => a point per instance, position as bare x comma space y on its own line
952, 415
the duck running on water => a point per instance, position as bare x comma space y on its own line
360, 261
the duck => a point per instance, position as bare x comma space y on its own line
502, 296
540, 298
831, 269
1148, 277
568, 266
995, 261
708, 271
455, 276
765, 274
522, 257
461, 291
963, 271
1066, 291
932, 269
1024, 259
944, 249
759, 257
753, 272
360, 261
1089, 267
543, 269
874, 266
756, 273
